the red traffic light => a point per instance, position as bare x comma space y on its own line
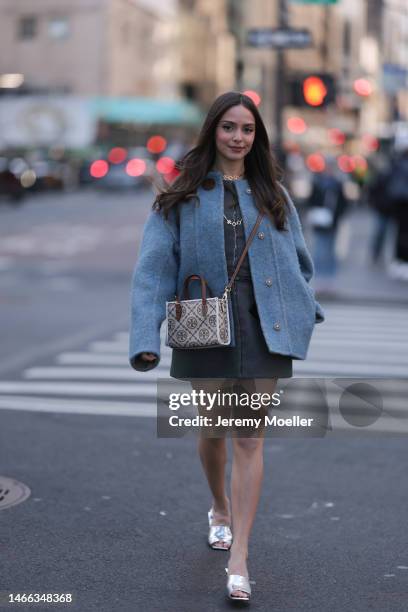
117, 155
156, 144
363, 87
255, 97
315, 162
296, 125
314, 91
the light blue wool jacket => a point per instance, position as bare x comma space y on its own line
280, 263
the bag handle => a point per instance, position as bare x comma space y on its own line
244, 252
204, 286
185, 294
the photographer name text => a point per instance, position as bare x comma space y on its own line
254, 422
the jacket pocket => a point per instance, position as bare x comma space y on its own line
310, 297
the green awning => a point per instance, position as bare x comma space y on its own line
146, 111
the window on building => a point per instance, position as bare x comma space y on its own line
27, 27
189, 91
58, 28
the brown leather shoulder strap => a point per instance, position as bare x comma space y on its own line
244, 252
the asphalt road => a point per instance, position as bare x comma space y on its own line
117, 516
66, 264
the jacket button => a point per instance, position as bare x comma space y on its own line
208, 184
261, 235
268, 282
249, 191
277, 327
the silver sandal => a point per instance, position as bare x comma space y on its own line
238, 583
218, 533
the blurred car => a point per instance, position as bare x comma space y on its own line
117, 177
84, 174
10, 184
131, 169
34, 173
48, 175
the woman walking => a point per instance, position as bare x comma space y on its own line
326, 207
199, 226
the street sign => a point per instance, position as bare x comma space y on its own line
394, 78
279, 38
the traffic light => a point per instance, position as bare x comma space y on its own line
313, 90
363, 87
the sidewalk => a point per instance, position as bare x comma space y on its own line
358, 279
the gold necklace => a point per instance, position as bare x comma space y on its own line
232, 177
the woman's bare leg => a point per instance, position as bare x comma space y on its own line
246, 481
213, 456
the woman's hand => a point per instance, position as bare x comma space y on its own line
148, 356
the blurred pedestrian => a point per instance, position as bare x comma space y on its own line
325, 207
397, 196
376, 196
198, 228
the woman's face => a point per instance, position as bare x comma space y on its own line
235, 133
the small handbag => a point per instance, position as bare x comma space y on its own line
319, 217
202, 322
322, 217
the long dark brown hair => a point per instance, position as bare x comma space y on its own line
261, 168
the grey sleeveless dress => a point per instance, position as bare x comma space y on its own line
250, 358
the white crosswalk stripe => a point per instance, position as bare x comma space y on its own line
357, 342
94, 381
81, 406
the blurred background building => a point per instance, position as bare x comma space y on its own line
207, 49
99, 100
86, 74
89, 47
